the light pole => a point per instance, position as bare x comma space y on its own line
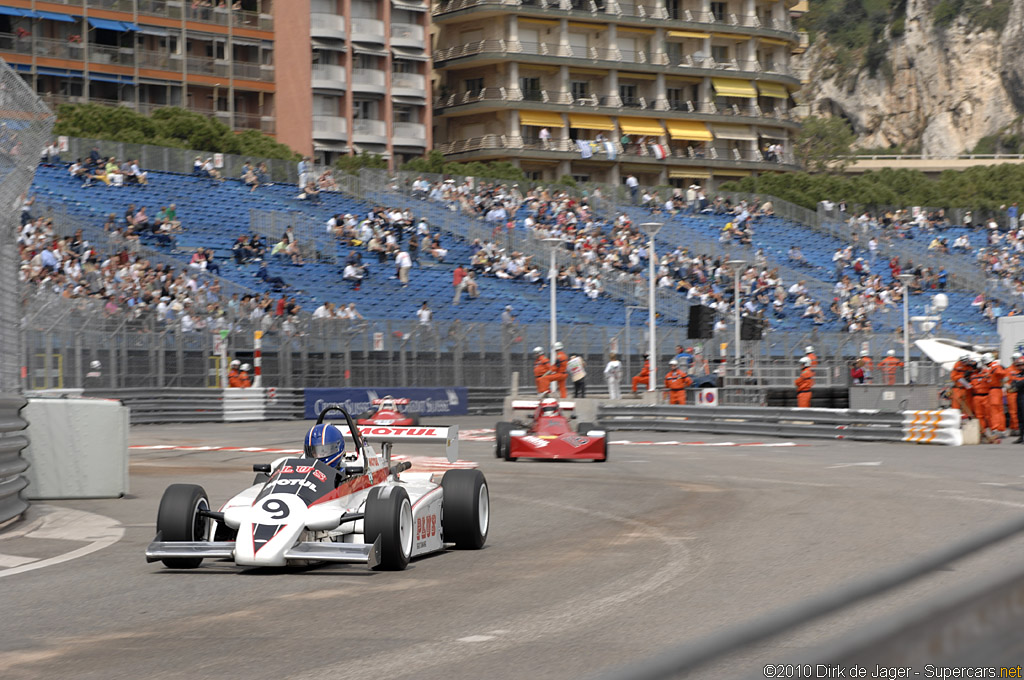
905, 279
651, 229
629, 347
736, 265
553, 244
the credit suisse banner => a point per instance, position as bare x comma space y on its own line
425, 401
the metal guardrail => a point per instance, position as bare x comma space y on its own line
776, 422
12, 465
186, 405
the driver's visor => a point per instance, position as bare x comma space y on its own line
322, 450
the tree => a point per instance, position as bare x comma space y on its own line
169, 126
353, 164
823, 144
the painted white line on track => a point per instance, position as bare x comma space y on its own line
476, 638
990, 501
15, 560
71, 525
849, 465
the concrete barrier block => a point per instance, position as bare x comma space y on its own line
78, 448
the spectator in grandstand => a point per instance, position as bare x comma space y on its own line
326, 182
276, 282
249, 178
310, 193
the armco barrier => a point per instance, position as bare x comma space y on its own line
12, 465
187, 405
925, 427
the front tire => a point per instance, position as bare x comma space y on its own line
415, 418
584, 428
502, 440
389, 515
178, 519
466, 509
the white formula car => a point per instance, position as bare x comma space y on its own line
331, 505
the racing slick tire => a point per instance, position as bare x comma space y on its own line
503, 440
605, 459
415, 420
388, 514
466, 509
178, 519
584, 428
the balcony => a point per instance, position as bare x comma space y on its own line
42, 47
330, 127
367, 80
158, 60
328, 77
245, 121
368, 30
409, 134
607, 57
407, 35
248, 70
207, 67
409, 84
370, 131
327, 26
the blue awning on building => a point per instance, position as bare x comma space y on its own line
20, 67
111, 78
129, 26
55, 17
108, 25
16, 11
67, 73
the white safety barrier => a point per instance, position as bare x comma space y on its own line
78, 448
933, 427
244, 404
924, 427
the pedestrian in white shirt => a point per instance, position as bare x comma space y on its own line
613, 377
404, 263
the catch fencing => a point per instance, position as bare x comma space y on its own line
923, 427
25, 125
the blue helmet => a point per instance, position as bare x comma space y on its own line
325, 442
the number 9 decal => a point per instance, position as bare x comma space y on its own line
277, 508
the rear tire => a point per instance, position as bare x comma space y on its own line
466, 509
605, 459
415, 418
389, 515
502, 440
178, 519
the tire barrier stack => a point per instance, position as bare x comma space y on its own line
923, 427
12, 464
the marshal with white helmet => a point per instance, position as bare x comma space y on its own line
336, 503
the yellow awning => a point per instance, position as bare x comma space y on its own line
774, 41
689, 174
580, 24
542, 22
635, 29
773, 90
590, 122
541, 119
637, 76
731, 173
728, 36
730, 87
693, 130
587, 71
641, 126
688, 34
741, 132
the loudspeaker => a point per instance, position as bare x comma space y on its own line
702, 323
751, 329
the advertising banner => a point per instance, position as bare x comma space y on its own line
424, 401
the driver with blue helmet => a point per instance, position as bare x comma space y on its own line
326, 443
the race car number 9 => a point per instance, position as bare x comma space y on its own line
278, 509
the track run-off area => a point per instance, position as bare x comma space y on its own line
588, 566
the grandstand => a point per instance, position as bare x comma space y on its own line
215, 213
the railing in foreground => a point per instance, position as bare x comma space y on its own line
979, 625
12, 465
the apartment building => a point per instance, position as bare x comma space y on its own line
325, 77
674, 92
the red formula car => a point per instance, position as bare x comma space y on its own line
549, 435
387, 413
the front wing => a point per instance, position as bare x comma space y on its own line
345, 553
569, 446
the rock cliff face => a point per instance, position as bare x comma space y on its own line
943, 89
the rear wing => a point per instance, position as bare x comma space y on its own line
529, 405
403, 401
390, 434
